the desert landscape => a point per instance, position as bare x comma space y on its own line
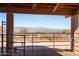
43, 42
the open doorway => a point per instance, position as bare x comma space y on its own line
36, 34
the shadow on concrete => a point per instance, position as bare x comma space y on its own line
36, 51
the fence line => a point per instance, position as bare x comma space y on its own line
34, 36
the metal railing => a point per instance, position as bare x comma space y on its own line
36, 40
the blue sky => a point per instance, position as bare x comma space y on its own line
36, 21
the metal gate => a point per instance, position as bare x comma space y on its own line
3, 38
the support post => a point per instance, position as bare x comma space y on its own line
9, 43
74, 27
2, 40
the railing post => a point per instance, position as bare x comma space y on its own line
32, 43
24, 45
54, 41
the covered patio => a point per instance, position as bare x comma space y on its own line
61, 9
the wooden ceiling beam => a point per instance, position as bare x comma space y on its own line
63, 6
40, 6
16, 9
55, 8
20, 7
36, 11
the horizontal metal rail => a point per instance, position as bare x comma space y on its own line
51, 37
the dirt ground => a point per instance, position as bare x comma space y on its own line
66, 53
45, 49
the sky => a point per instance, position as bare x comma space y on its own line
39, 21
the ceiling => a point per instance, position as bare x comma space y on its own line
65, 9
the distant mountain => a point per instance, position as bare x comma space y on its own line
29, 29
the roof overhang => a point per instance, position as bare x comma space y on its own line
64, 9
